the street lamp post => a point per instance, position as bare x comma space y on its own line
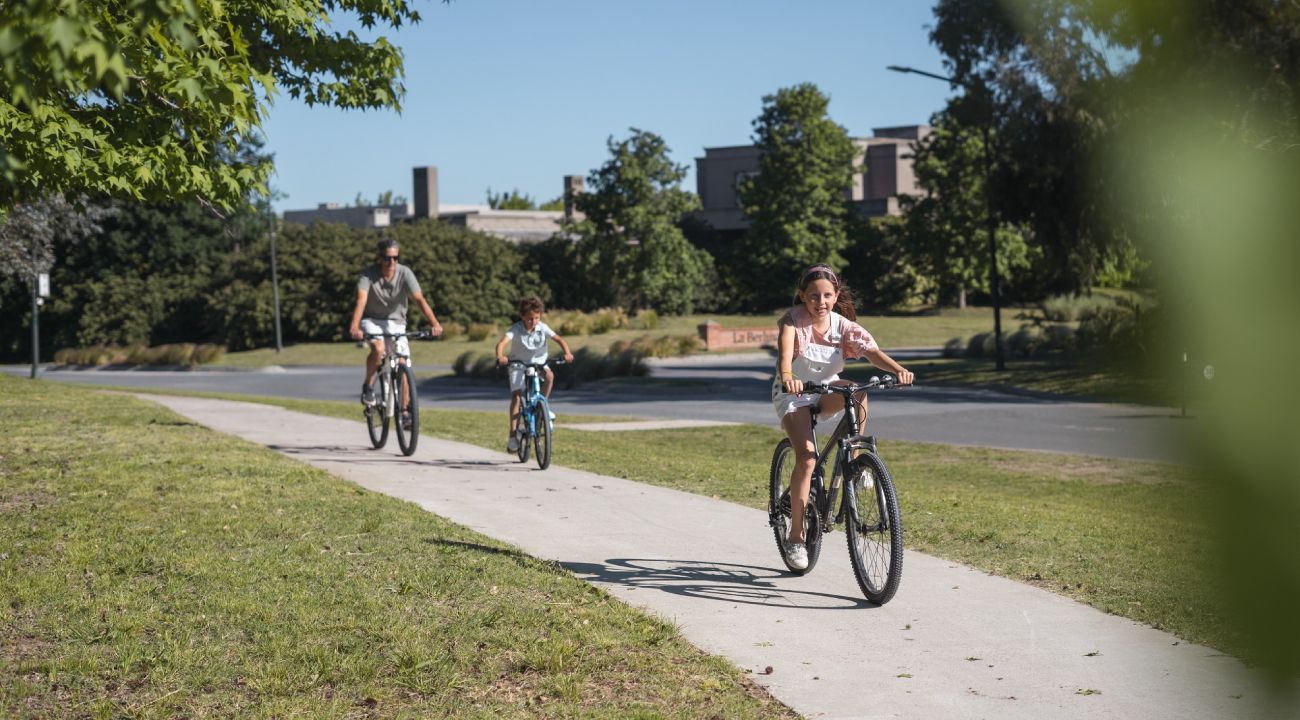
275, 287
994, 278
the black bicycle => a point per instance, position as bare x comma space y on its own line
396, 399
535, 423
868, 503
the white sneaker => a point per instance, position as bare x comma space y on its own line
512, 445
548, 412
797, 556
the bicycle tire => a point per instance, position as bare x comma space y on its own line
407, 438
377, 415
778, 508
542, 438
874, 530
525, 438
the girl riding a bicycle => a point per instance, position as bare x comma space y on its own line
528, 344
815, 337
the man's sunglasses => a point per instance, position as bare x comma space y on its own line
388, 258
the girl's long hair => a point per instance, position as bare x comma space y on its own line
843, 303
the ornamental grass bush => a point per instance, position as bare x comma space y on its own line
184, 354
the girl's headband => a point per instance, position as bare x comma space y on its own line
822, 268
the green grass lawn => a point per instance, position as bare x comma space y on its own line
919, 330
1072, 377
152, 568
1130, 538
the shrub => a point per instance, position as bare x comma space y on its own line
481, 331
451, 329
1026, 342
645, 319
1058, 338
606, 319
1068, 308
954, 348
207, 353
463, 363
571, 323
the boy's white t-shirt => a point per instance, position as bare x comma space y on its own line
529, 347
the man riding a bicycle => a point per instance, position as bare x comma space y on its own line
382, 293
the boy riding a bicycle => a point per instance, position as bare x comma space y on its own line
382, 293
527, 339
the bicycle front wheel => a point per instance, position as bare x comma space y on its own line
874, 528
542, 434
778, 509
407, 422
524, 437
377, 414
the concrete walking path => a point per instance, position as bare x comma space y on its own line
954, 643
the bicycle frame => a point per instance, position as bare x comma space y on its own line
843, 441
531, 396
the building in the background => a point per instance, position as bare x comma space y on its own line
518, 225
884, 159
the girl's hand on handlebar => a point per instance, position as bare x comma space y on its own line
436, 328
501, 360
905, 376
792, 384
568, 357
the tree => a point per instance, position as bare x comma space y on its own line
947, 228
140, 99
29, 232
1034, 74
630, 250
512, 200
797, 205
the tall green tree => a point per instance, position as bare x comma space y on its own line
797, 205
140, 99
1034, 72
630, 249
947, 227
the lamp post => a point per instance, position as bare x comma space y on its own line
994, 278
275, 283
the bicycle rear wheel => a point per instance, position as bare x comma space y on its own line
377, 414
874, 528
408, 434
778, 509
542, 434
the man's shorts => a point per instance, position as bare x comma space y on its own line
371, 326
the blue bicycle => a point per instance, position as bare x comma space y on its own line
535, 423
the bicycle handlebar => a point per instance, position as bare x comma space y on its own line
421, 335
520, 363
888, 382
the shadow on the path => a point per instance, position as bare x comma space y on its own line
386, 456
725, 582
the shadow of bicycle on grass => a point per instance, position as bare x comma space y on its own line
724, 582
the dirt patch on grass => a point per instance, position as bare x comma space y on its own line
24, 500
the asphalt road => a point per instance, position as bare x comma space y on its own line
736, 389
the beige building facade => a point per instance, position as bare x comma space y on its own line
884, 173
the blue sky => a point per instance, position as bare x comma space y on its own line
518, 93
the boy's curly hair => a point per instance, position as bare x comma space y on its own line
531, 304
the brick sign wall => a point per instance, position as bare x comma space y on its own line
716, 337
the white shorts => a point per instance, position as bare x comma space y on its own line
786, 403
370, 326
518, 378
